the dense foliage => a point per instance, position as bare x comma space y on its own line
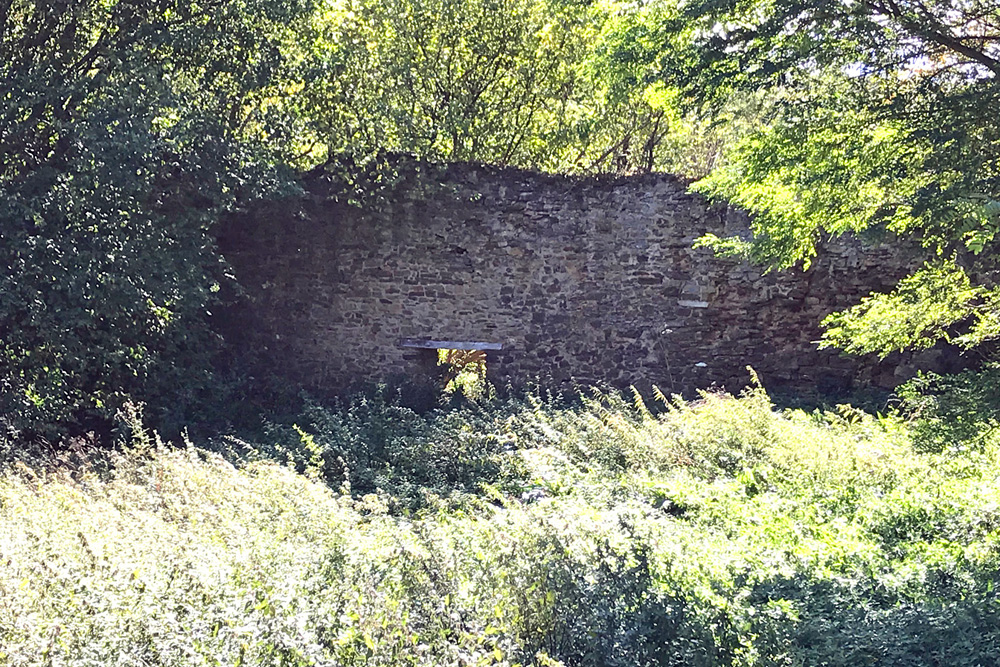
524, 532
877, 115
125, 129
716, 533
531, 83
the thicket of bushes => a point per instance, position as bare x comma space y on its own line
718, 532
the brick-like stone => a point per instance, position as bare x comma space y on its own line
594, 278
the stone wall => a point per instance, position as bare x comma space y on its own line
589, 280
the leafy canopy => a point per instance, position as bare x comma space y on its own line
877, 115
126, 128
529, 83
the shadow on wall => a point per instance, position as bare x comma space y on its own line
572, 279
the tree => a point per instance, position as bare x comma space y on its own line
126, 128
880, 114
528, 83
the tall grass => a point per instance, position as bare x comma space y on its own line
717, 532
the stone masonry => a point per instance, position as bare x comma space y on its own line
586, 280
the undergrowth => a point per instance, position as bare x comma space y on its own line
533, 532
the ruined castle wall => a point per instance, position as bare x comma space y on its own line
579, 279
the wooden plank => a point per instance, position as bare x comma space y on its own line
449, 344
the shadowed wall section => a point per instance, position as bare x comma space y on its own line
578, 279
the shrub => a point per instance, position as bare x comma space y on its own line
952, 412
529, 532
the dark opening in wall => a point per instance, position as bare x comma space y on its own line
460, 366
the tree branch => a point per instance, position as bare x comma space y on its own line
933, 31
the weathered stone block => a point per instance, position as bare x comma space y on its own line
592, 278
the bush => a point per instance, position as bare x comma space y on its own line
952, 412
528, 532
376, 444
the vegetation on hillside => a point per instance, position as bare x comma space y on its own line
718, 532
